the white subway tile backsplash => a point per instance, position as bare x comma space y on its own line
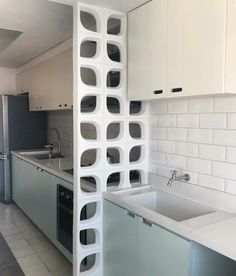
163, 170
231, 120
200, 136
230, 187
166, 146
200, 105
193, 177
197, 136
158, 158
177, 134
153, 121
231, 154
158, 133
176, 161
153, 145
213, 121
159, 107
211, 182
187, 149
166, 120
225, 170
212, 152
199, 165
178, 106
188, 120
225, 104
224, 137
153, 168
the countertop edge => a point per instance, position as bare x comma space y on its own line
54, 172
197, 234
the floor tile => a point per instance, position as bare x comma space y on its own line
36, 255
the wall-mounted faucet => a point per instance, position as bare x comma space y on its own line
184, 177
58, 141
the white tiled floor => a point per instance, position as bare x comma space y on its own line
36, 255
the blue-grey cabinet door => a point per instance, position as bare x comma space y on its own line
161, 253
120, 241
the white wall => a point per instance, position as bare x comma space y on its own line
198, 136
7, 81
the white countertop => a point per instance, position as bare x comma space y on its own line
215, 230
54, 166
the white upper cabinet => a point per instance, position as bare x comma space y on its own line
49, 83
193, 55
147, 52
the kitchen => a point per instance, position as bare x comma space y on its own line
134, 131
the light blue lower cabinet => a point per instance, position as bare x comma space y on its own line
35, 191
32, 191
120, 241
161, 253
134, 246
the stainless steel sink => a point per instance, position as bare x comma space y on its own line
168, 205
45, 156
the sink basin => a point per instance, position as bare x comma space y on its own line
45, 157
171, 206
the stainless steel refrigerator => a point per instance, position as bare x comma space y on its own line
19, 130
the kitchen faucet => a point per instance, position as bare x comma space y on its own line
58, 140
185, 177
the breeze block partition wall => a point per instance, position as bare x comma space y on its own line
119, 127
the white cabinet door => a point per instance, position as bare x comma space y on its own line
147, 51
49, 83
196, 46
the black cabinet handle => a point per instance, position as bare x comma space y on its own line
130, 214
177, 90
156, 92
147, 222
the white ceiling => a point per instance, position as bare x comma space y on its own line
119, 5
43, 25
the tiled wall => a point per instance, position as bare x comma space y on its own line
63, 121
197, 136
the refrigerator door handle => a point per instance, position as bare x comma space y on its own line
3, 156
